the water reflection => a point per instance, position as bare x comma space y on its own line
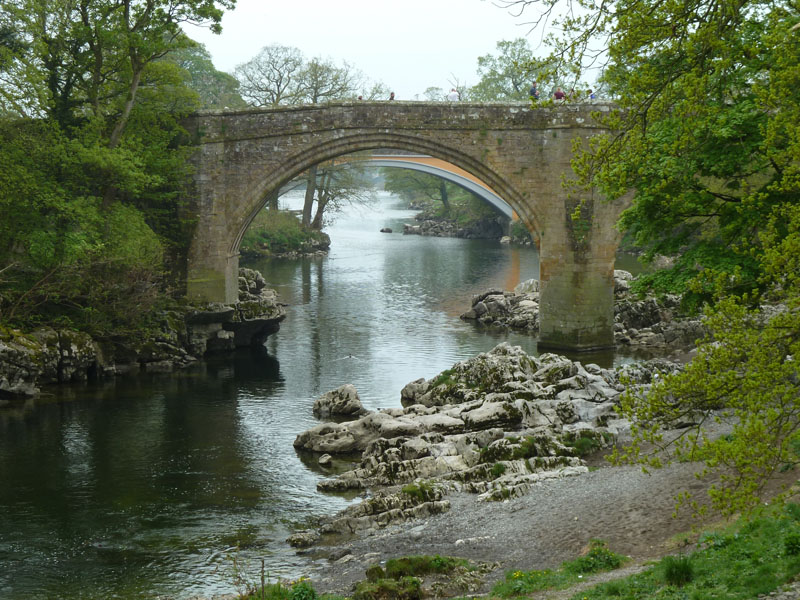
146, 486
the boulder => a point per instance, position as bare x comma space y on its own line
341, 402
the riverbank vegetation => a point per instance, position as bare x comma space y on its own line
706, 134
279, 232
94, 158
438, 199
749, 558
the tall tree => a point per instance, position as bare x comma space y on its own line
507, 76
415, 186
707, 137
217, 90
91, 154
271, 77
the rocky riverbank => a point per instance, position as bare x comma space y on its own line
494, 426
484, 229
498, 460
645, 323
48, 356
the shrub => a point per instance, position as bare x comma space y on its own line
599, 558
303, 590
585, 442
791, 544
278, 231
405, 588
678, 570
498, 469
375, 572
422, 491
422, 565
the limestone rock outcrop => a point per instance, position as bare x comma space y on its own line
493, 425
649, 322
341, 402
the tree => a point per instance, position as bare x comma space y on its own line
706, 135
508, 75
434, 94
271, 77
217, 90
415, 186
93, 164
338, 185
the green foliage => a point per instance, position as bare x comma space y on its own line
519, 583
791, 544
745, 368
498, 469
706, 136
744, 562
405, 588
216, 90
375, 572
439, 199
508, 75
397, 568
303, 590
422, 491
273, 232
599, 558
677, 570
92, 166
586, 442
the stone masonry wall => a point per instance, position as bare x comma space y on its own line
521, 153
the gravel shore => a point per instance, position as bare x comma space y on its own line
627, 508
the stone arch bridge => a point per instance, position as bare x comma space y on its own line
522, 154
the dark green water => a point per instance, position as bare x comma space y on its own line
151, 486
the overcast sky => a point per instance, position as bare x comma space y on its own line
409, 45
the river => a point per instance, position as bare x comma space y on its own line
177, 485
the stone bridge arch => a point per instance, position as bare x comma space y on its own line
335, 148
422, 163
522, 154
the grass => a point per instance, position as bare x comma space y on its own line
598, 558
422, 491
398, 579
586, 442
741, 562
275, 232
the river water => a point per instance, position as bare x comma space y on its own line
178, 485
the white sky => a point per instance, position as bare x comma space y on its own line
409, 45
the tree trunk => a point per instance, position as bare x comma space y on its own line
272, 200
311, 187
443, 195
317, 223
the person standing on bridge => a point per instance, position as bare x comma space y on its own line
391, 96
559, 95
534, 91
453, 96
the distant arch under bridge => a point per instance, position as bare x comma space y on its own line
448, 171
